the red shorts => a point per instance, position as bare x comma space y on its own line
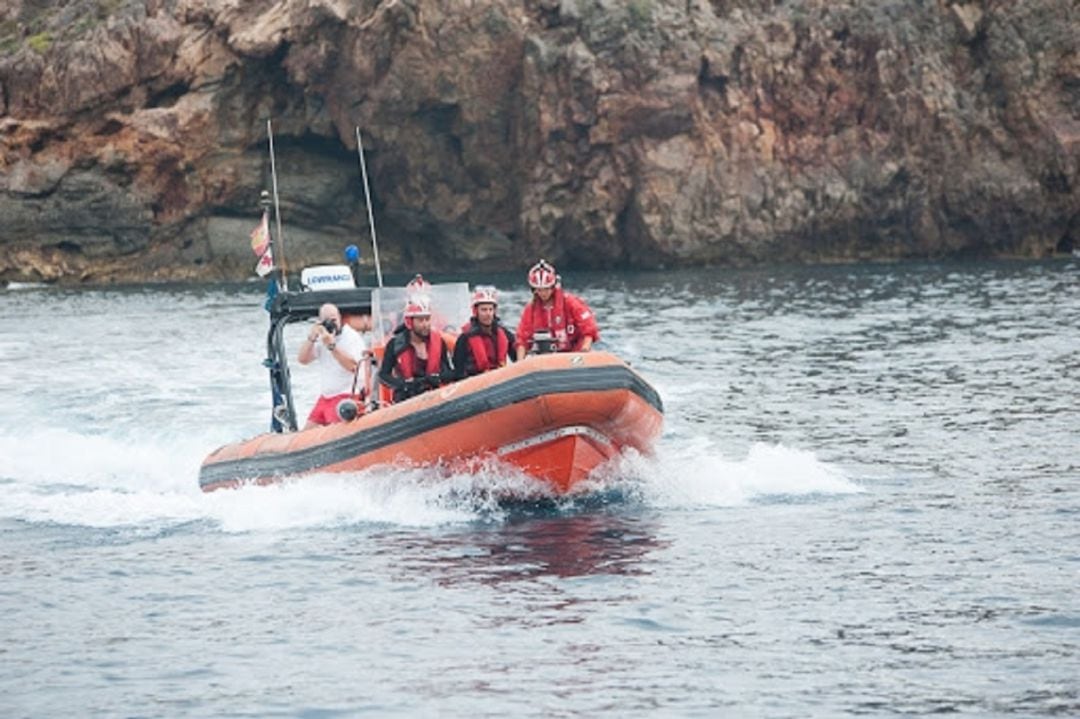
325, 410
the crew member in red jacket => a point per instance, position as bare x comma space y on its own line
416, 359
568, 319
484, 344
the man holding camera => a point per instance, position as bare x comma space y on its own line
338, 349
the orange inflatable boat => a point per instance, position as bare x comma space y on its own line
555, 416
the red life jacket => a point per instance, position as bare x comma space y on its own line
406, 360
478, 345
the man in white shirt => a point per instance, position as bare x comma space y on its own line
338, 349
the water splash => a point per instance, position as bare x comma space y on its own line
693, 473
62, 477
17, 286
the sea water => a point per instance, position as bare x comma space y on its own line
865, 501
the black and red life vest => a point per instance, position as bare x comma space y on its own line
407, 360
480, 344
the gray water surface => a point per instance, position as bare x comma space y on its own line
865, 501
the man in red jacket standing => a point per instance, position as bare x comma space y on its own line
568, 319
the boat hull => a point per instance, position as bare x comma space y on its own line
557, 417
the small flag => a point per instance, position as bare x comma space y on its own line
265, 264
260, 236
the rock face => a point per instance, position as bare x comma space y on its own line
596, 133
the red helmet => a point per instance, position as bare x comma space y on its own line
485, 294
542, 275
418, 306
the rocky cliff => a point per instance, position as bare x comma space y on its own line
597, 133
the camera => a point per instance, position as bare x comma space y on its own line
543, 343
330, 325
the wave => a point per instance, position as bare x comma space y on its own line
61, 477
693, 473
16, 286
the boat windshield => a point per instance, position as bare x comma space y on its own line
449, 308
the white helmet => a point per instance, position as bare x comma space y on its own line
419, 306
485, 294
542, 275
